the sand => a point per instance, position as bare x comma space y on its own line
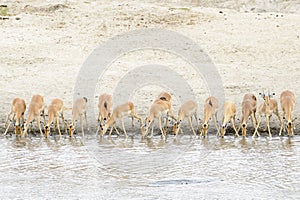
255, 46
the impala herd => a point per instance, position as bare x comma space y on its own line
161, 109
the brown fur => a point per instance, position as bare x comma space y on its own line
36, 107
78, 111
229, 113
55, 109
17, 111
187, 110
157, 109
267, 108
211, 106
287, 100
248, 110
104, 106
118, 113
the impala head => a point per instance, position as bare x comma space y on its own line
205, 128
223, 129
176, 127
47, 130
103, 129
267, 97
290, 126
143, 131
244, 129
148, 121
105, 114
71, 128
146, 126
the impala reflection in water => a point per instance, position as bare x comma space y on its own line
132, 168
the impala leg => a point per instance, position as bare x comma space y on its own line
7, 118
86, 122
132, 118
152, 127
216, 124
23, 120
111, 128
191, 124
160, 127
133, 114
43, 114
25, 129
167, 122
65, 124
253, 119
234, 127
254, 115
7, 128
292, 129
278, 116
257, 126
282, 124
99, 117
201, 131
268, 125
276, 112
39, 125
116, 129
122, 122
57, 122
81, 124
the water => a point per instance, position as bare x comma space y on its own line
119, 168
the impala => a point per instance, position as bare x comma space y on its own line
287, 101
118, 113
17, 111
157, 110
248, 110
104, 106
36, 108
78, 111
210, 110
229, 113
187, 110
267, 108
55, 109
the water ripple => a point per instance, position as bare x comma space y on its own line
132, 168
